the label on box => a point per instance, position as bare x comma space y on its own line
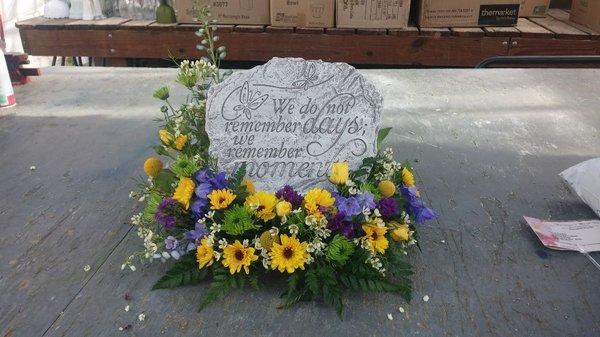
500, 15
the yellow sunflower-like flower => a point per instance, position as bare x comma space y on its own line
339, 173
387, 188
153, 166
400, 233
221, 199
183, 192
205, 254
375, 238
249, 185
262, 204
290, 255
180, 142
283, 208
236, 256
407, 178
316, 199
165, 136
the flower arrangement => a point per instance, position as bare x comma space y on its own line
352, 236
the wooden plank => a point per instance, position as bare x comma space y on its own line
563, 16
279, 30
163, 26
435, 32
136, 24
249, 28
340, 31
530, 29
470, 32
406, 31
310, 30
54, 23
561, 29
502, 31
31, 23
558, 47
109, 23
371, 31
242, 46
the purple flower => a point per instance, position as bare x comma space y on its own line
415, 205
339, 225
206, 183
170, 243
366, 200
288, 194
348, 206
164, 214
387, 207
196, 234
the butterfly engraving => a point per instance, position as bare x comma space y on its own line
248, 101
309, 75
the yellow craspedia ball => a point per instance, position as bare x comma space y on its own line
153, 166
401, 233
339, 173
283, 208
267, 240
387, 188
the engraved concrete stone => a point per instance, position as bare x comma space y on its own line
290, 119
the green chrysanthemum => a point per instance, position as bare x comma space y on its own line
368, 187
340, 250
237, 221
152, 202
184, 166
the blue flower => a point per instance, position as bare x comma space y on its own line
195, 235
415, 206
206, 183
366, 200
348, 206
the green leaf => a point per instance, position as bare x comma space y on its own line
381, 136
184, 272
164, 180
221, 286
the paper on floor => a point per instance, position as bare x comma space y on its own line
567, 235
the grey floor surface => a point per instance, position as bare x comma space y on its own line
487, 145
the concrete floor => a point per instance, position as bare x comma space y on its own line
487, 144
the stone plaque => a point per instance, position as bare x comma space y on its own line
290, 119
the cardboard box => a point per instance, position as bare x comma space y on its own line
587, 13
235, 12
372, 13
303, 13
468, 13
534, 8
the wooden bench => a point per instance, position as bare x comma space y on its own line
118, 39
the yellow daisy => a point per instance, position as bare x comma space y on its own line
339, 173
221, 199
316, 200
183, 192
262, 204
249, 185
236, 256
375, 238
205, 254
165, 136
407, 178
290, 255
180, 142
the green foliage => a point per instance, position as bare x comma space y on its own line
223, 283
238, 221
163, 182
184, 272
340, 250
383, 133
152, 201
235, 182
184, 166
